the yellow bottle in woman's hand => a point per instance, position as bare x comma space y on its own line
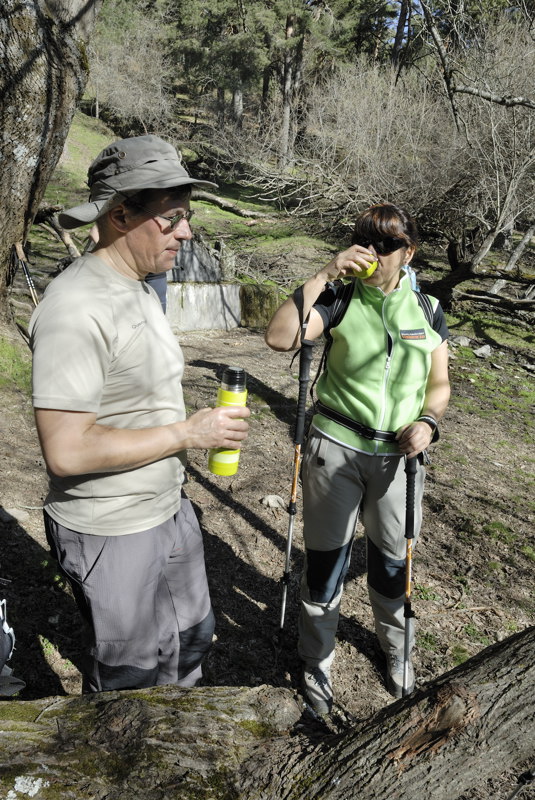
366, 273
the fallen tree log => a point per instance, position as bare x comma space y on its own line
48, 219
471, 724
504, 302
226, 205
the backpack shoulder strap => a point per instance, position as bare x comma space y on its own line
340, 306
427, 307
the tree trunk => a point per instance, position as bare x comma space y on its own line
43, 71
284, 143
293, 56
400, 32
237, 106
472, 724
483, 250
221, 105
515, 255
266, 82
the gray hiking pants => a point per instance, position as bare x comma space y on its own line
338, 483
144, 599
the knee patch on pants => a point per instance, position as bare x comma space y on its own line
194, 644
385, 575
325, 572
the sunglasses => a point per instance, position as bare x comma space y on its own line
175, 221
383, 247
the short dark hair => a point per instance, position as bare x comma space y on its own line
385, 220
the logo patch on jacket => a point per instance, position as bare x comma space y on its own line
419, 333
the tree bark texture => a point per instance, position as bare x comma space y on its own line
43, 71
471, 724
515, 255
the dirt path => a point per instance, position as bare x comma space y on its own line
473, 569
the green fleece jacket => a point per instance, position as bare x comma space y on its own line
378, 365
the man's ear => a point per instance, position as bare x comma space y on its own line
118, 218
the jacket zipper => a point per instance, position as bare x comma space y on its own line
389, 349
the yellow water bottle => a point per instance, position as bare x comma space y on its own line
232, 392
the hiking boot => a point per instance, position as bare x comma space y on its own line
394, 674
317, 689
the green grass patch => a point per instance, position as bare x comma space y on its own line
528, 551
499, 532
215, 223
459, 654
426, 593
507, 391
87, 137
475, 634
497, 331
15, 366
271, 236
428, 641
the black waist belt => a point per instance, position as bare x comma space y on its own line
353, 425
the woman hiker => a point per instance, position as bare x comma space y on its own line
380, 398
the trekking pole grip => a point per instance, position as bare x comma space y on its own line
411, 467
305, 359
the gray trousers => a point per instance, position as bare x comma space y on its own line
144, 599
338, 484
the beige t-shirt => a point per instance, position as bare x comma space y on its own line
101, 343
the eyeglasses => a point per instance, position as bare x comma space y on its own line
383, 247
174, 221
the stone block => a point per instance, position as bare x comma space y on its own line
203, 306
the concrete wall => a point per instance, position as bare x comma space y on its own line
203, 306
198, 301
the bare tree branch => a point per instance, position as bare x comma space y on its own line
447, 69
494, 98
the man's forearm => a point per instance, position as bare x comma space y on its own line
75, 444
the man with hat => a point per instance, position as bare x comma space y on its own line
110, 415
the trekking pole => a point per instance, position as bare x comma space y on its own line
29, 280
305, 358
410, 471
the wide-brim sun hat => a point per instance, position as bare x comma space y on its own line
125, 168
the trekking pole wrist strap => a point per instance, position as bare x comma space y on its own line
299, 300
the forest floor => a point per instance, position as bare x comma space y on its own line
473, 566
